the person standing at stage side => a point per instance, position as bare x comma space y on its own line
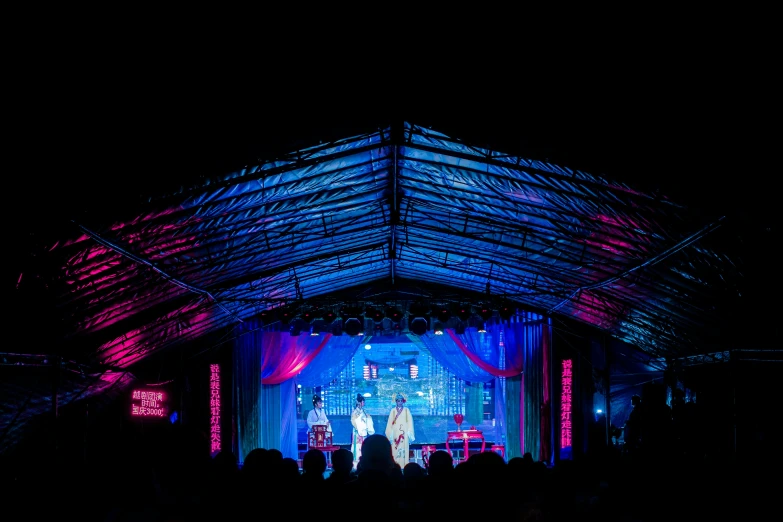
399, 431
632, 433
317, 416
362, 427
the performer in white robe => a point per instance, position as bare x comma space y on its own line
362, 427
317, 416
399, 431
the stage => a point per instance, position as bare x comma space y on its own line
431, 430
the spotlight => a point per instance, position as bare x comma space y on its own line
506, 311
352, 326
393, 314
267, 317
373, 313
337, 327
464, 312
485, 313
310, 315
330, 317
418, 326
438, 328
286, 315
296, 327
441, 313
318, 326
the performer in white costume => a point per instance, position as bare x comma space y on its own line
399, 431
362, 427
317, 416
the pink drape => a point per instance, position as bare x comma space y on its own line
284, 355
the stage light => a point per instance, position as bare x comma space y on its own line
464, 312
442, 314
286, 315
418, 326
506, 311
311, 315
373, 313
337, 327
296, 327
367, 347
393, 314
329, 317
485, 313
413, 370
438, 328
353, 326
267, 317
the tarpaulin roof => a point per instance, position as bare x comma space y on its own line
396, 214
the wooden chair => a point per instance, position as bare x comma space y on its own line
321, 438
499, 449
426, 451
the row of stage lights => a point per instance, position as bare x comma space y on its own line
351, 319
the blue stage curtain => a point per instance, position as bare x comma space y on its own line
288, 442
332, 360
524, 337
450, 356
247, 389
513, 416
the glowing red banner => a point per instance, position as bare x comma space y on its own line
148, 403
214, 408
565, 404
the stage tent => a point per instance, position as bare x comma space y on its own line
135, 291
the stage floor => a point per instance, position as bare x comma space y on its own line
429, 429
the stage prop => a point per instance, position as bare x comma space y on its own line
465, 436
321, 438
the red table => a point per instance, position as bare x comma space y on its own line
466, 436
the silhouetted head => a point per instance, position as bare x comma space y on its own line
413, 470
314, 462
440, 462
342, 460
255, 461
376, 453
636, 400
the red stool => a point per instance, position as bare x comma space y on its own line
426, 451
499, 449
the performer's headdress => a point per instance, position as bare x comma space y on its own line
316, 399
359, 397
400, 396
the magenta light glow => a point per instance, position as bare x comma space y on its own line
214, 408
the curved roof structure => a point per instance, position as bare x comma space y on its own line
393, 216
